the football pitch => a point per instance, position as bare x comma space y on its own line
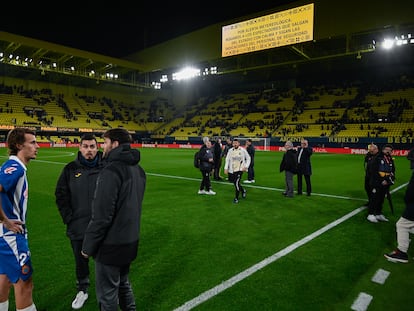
203, 252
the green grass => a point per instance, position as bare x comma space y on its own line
191, 243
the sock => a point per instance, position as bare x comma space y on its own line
4, 306
29, 308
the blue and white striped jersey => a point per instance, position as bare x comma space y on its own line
15, 190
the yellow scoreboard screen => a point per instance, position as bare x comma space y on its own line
269, 31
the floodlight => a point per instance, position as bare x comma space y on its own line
388, 44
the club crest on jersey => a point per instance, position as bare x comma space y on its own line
25, 269
10, 170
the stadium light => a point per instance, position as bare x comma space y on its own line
387, 44
186, 73
399, 40
164, 79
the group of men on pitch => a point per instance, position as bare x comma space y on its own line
379, 177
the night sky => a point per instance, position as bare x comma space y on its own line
118, 30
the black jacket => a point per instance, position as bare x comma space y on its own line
74, 194
289, 162
381, 168
410, 157
304, 166
251, 151
205, 154
112, 236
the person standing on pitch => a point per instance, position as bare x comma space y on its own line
217, 151
404, 226
15, 259
382, 178
237, 162
113, 234
410, 157
227, 145
250, 171
368, 160
289, 166
74, 194
304, 153
206, 157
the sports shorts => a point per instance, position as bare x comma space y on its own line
15, 259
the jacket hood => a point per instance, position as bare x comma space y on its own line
124, 153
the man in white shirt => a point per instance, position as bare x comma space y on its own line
237, 162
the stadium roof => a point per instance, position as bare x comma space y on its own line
343, 31
34, 56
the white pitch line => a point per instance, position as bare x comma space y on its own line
253, 269
362, 302
380, 276
256, 187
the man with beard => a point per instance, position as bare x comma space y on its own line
74, 194
237, 162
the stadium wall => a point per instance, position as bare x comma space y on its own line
362, 151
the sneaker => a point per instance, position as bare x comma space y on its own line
80, 299
201, 192
397, 256
247, 181
210, 192
252, 181
235, 200
372, 218
244, 193
381, 218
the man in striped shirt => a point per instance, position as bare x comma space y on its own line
15, 261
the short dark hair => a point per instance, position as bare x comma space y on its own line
118, 134
88, 136
388, 146
17, 137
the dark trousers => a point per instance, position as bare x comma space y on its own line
237, 183
217, 166
377, 201
205, 182
367, 188
307, 181
81, 266
250, 172
113, 288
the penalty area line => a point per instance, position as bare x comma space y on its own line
253, 269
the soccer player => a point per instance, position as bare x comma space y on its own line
15, 261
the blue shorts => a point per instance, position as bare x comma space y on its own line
15, 259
